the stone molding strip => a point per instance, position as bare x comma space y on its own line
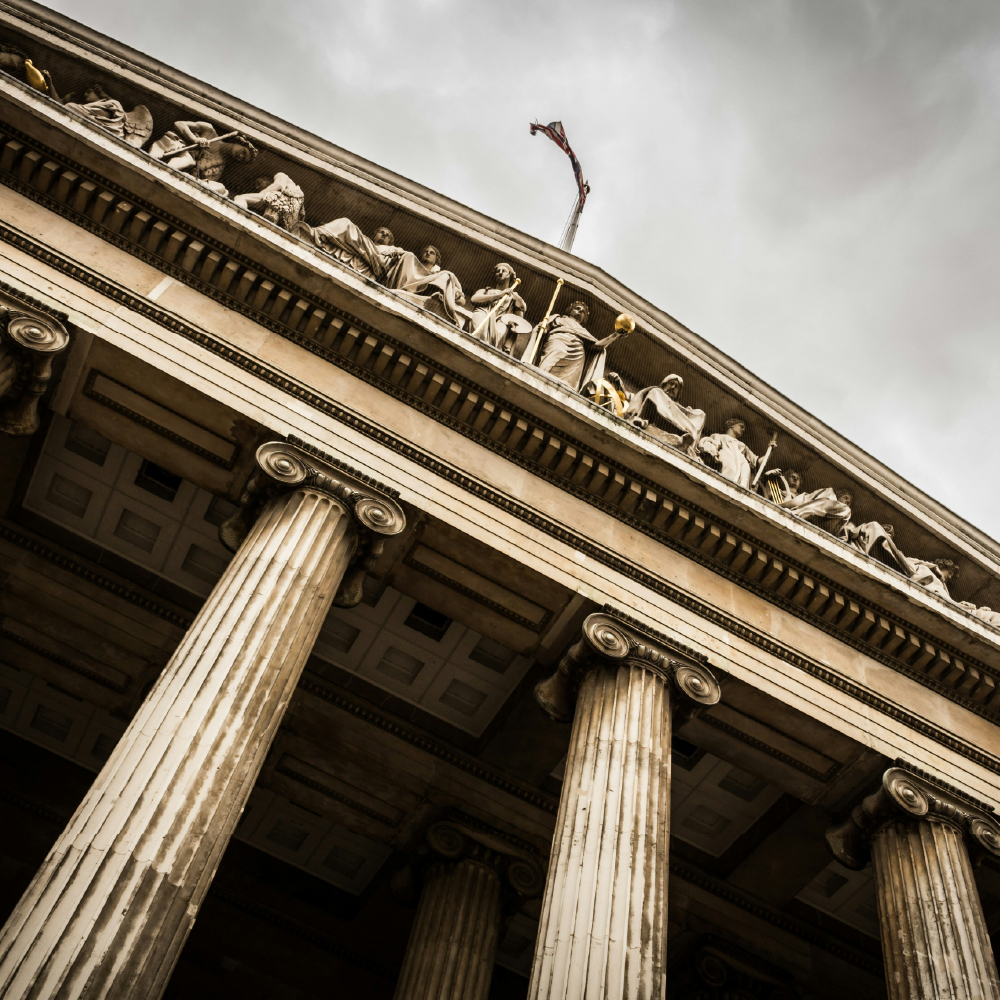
481, 416
964, 677
38, 548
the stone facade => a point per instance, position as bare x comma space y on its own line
362, 632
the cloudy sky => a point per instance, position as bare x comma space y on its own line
812, 185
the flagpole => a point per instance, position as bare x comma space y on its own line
572, 224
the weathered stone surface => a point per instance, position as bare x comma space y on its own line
934, 938
602, 932
111, 907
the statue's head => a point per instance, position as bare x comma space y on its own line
672, 385
948, 569
735, 427
383, 237
846, 497
429, 256
94, 92
579, 311
503, 275
242, 150
794, 480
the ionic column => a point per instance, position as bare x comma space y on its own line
915, 831
602, 932
28, 346
112, 904
453, 943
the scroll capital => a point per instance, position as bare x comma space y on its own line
282, 467
610, 637
28, 345
907, 792
459, 839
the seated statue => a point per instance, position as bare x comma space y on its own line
490, 323
420, 278
134, 126
345, 242
830, 510
877, 540
569, 352
731, 457
196, 148
656, 411
281, 202
932, 574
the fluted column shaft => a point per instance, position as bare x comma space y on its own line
916, 831
453, 943
934, 938
112, 904
603, 926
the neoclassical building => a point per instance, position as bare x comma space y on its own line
394, 606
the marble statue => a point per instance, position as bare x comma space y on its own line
344, 241
102, 110
570, 352
494, 326
281, 202
196, 148
735, 461
932, 574
656, 411
421, 279
832, 511
873, 538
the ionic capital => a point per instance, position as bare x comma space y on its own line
910, 794
453, 840
283, 468
28, 345
609, 638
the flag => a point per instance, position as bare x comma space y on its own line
556, 132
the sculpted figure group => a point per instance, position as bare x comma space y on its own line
560, 344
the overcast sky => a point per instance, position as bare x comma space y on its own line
811, 185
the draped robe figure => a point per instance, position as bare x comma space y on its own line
344, 241
570, 352
421, 279
735, 460
656, 411
102, 110
932, 575
821, 505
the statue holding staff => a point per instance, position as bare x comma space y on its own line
498, 306
570, 352
732, 458
196, 148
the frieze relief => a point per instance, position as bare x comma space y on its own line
559, 344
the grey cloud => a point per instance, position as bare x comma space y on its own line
811, 186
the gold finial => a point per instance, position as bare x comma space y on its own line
624, 323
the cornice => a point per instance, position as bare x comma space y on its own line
77, 40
